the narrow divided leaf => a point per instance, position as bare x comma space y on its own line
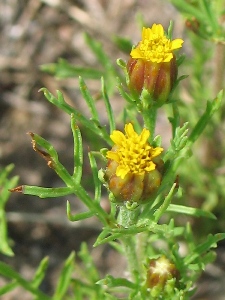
8, 272
40, 272
78, 151
195, 212
89, 99
63, 69
97, 182
109, 111
65, 278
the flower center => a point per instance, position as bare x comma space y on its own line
155, 46
133, 153
135, 156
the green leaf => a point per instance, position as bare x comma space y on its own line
211, 242
43, 192
65, 278
106, 237
8, 287
78, 151
195, 212
123, 93
170, 30
8, 272
40, 272
4, 244
124, 44
51, 156
97, 49
180, 139
111, 281
185, 7
90, 125
109, 69
211, 108
6, 184
163, 208
211, 16
89, 99
208, 258
97, 182
144, 224
63, 69
109, 111
89, 265
77, 217
5, 173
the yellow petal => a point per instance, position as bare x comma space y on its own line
156, 151
113, 155
176, 44
155, 46
145, 33
129, 129
117, 137
144, 135
136, 53
121, 172
151, 167
158, 29
168, 57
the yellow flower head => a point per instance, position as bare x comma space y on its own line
155, 46
132, 152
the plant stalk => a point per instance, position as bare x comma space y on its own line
127, 218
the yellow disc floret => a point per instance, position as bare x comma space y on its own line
155, 46
133, 153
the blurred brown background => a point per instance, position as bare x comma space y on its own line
33, 33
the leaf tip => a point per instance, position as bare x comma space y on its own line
18, 189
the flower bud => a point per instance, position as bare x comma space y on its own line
152, 65
193, 25
157, 78
162, 276
134, 169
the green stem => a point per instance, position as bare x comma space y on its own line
142, 241
129, 245
126, 218
176, 119
149, 117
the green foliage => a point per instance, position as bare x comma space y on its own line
6, 184
62, 69
206, 14
135, 230
16, 279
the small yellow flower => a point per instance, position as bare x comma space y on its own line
134, 169
132, 152
155, 46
